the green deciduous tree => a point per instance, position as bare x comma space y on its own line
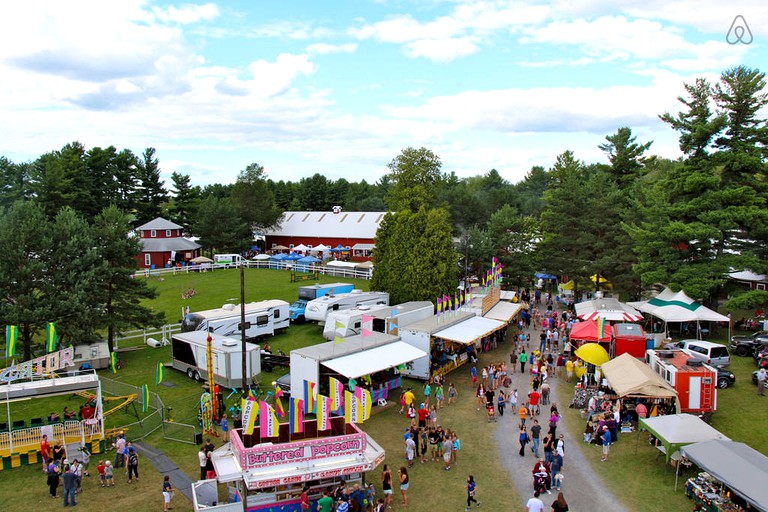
515, 238
254, 200
416, 179
220, 227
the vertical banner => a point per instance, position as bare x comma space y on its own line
250, 413
366, 402
296, 416
11, 337
50, 337
600, 327
159, 373
337, 394
309, 397
323, 413
268, 424
278, 404
113, 361
144, 398
352, 409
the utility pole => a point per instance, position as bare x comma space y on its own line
243, 326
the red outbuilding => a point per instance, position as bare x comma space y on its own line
163, 245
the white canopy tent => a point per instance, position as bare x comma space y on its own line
301, 248
677, 430
319, 248
374, 359
504, 311
470, 330
608, 308
672, 306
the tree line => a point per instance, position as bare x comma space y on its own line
636, 221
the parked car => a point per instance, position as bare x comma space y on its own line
725, 378
707, 352
748, 345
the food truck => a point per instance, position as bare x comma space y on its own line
269, 474
694, 381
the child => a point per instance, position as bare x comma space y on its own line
109, 474
559, 480
452, 392
102, 475
370, 496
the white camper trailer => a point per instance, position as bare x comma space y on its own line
189, 354
386, 319
319, 308
263, 318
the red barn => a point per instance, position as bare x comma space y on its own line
354, 231
162, 244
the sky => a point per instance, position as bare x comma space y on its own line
341, 87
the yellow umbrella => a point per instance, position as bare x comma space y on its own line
593, 353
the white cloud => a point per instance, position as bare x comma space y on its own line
187, 14
289, 29
270, 78
442, 50
326, 49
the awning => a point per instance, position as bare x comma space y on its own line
504, 312
677, 430
609, 309
470, 330
743, 469
375, 359
363, 247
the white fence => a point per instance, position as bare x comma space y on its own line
162, 335
274, 265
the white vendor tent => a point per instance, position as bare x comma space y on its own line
470, 330
677, 430
374, 359
741, 468
628, 376
678, 307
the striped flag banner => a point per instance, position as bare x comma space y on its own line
50, 337
337, 338
113, 361
279, 404
323, 412
366, 402
337, 394
11, 338
159, 373
353, 412
367, 322
600, 327
309, 397
439, 305
250, 413
268, 424
296, 416
144, 398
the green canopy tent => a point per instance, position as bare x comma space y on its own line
678, 430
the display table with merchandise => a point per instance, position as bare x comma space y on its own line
710, 495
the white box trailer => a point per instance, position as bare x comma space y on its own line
359, 355
263, 318
227, 260
189, 354
319, 308
386, 319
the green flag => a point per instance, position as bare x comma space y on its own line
144, 398
159, 373
50, 337
113, 361
11, 337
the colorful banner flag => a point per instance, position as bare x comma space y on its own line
113, 361
337, 394
50, 338
309, 397
323, 412
366, 402
296, 416
268, 423
11, 337
393, 325
600, 327
439, 305
250, 413
159, 373
352, 410
278, 403
144, 398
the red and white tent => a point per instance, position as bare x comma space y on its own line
610, 309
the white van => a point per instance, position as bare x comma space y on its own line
708, 352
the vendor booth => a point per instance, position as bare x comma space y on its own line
504, 311
609, 309
587, 331
421, 335
735, 477
476, 332
629, 377
677, 430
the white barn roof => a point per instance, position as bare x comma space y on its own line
329, 225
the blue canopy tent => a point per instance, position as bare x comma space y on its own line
340, 248
304, 263
277, 261
293, 256
542, 275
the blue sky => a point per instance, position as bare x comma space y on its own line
340, 88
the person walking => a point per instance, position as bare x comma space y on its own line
167, 493
523, 359
202, 459
535, 504
70, 487
133, 463
762, 376
560, 505
471, 488
523, 438
535, 438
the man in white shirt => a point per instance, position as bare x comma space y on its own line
535, 504
762, 376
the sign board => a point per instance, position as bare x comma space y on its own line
44, 365
303, 451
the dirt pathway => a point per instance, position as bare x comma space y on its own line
582, 488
